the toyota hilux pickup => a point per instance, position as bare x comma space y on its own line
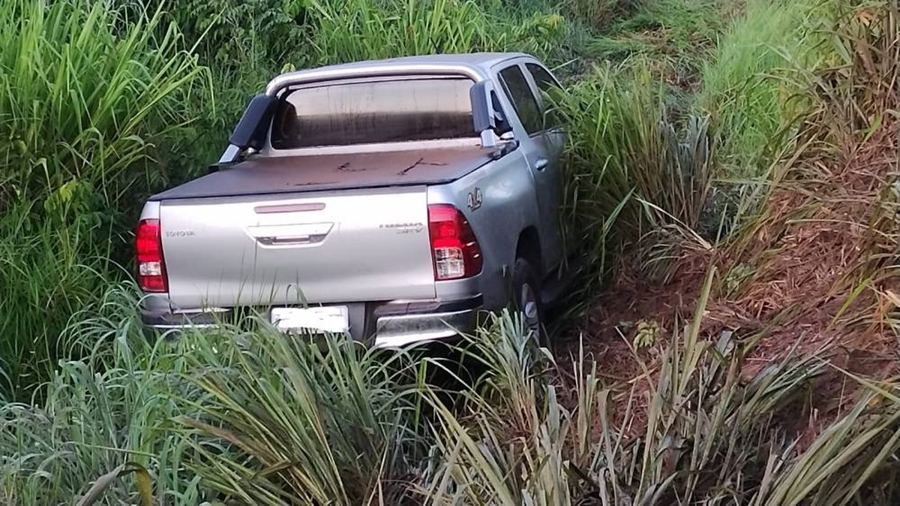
390, 200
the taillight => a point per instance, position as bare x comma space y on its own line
453, 246
151, 267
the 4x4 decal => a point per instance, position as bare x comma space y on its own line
474, 199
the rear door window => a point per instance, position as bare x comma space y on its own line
550, 88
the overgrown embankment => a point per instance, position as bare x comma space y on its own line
808, 267
730, 172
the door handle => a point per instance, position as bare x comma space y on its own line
541, 164
291, 240
290, 235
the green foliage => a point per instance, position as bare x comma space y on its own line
677, 35
709, 437
307, 424
111, 408
361, 29
688, 25
85, 101
751, 83
279, 421
231, 33
594, 13
631, 170
509, 446
48, 272
88, 97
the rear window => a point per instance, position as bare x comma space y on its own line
373, 111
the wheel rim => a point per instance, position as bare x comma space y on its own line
530, 309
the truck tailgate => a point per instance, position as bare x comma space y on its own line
352, 245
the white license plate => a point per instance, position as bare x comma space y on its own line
332, 319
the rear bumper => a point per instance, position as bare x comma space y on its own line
401, 323
384, 324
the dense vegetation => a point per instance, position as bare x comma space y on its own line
737, 156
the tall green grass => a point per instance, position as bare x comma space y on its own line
752, 85
86, 96
48, 272
360, 29
653, 169
634, 175
259, 419
112, 407
708, 435
304, 423
89, 97
223, 413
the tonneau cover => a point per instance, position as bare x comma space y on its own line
268, 175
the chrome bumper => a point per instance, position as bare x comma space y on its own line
397, 331
389, 325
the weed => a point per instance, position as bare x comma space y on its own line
648, 333
631, 171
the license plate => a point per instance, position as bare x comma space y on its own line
332, 319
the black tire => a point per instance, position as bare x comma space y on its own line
527, 297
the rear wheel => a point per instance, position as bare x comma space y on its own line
528, 299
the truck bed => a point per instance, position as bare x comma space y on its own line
272, 175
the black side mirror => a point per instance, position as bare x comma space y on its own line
251, 130
487, 113
482, 116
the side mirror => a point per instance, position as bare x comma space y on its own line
251, 130
487, 113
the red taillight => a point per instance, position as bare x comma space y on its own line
454, 249
151, 267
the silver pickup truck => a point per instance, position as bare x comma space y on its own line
392, 200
